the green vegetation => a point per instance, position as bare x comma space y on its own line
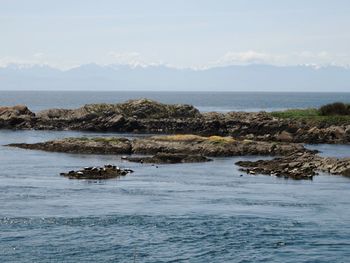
332, 114
337, 108
297, 113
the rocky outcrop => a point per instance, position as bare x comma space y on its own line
263, 126
168, 158
131, 116
146, 116
173, 144
297, 166
97, 173
83, 145
17, 116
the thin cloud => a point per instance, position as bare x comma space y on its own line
322, 58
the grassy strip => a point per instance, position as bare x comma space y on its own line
312, 115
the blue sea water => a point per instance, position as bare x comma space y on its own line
203, 212
204, 101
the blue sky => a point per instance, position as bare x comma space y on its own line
179, 33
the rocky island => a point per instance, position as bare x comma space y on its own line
147, 116
198, 135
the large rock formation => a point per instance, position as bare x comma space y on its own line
146, 116
130, 116
16, 117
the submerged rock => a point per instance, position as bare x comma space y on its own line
168, 158
97, 173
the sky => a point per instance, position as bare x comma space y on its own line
177, 33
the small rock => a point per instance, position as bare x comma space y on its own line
97, 173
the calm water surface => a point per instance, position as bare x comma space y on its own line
177, 213
204, 101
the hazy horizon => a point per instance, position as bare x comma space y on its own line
234, 78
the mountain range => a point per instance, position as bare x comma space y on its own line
252, 77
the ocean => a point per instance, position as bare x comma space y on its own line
204, 101
203, 212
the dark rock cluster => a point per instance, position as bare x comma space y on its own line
286, 167
97, 173
297, 166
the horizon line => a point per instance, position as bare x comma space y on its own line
171, 91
